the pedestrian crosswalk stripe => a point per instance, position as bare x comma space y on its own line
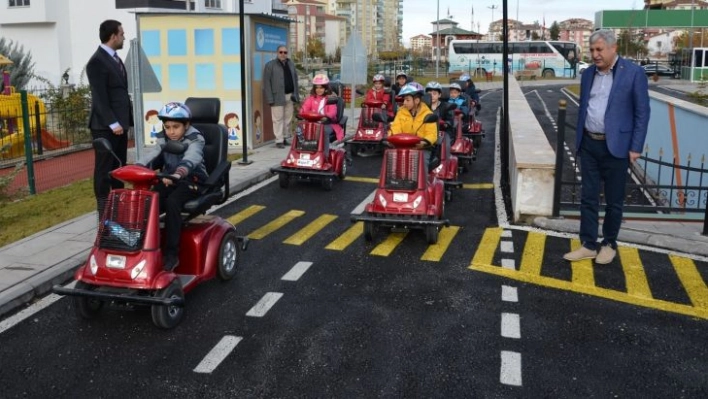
691, 280
275, 224
478, 186
533, 253
435, 251
245, 214
487, 247
582, 269
361, 179
389, 244
349, 236
634, 275
310, 230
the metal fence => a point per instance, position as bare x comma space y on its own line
47, 133
656, 188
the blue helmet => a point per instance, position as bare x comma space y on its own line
455, 86
465, 77
412, 89
433, 86
175, 111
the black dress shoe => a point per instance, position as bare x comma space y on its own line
280, 145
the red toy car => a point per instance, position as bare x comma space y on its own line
407, 197
369, 133
125, 264
306, 159
446, 168
474, 129
463, 146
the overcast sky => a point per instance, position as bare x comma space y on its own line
418, 15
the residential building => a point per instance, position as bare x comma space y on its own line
577, 30
675, 4
311, 20
421, 42
513, 26
62, 35
660, 45
379, 22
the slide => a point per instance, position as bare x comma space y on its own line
12, 146
50, 142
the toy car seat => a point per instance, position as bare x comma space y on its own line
205, 118
341, 118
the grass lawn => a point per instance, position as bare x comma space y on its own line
34, 213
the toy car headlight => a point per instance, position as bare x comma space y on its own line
93, 265
417, 201
382, 200
137, 269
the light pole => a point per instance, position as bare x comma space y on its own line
307, 38
693, 7
437, 42
493, 7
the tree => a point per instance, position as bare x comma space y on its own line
315, 48
631, 45
22, 69
682, 41
554, 31
535, 36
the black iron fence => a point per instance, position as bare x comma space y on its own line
656, 188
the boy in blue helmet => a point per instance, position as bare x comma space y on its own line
470, 90
187, 169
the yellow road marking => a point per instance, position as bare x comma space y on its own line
637, 284
700, 312
435, 252
691, 280
245, 214
478, 186
533, 253
310, 230
361, 179
582, 269
487, 247
349, 236
274, 225
389, 244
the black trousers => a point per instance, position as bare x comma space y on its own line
105, 163
172, 200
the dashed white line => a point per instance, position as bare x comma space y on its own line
509, 294
297, 271
508, 264
510, 325
506, 234
507, 246
264, 305
217, 354
510, 368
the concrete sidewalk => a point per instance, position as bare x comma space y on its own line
31, 266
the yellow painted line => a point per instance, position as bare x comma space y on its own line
245, 214
274, 225
533, 253
594, 291
487, 247
582, 269
478, 186
389, 244
691, 280
349, 236
435, 252
637, 284
361, 179
310, 230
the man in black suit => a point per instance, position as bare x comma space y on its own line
111, 110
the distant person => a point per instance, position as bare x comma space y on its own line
281, 91
609, 136
111, 110
470, 90
379, 93
401, 80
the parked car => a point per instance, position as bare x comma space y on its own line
661, 70
581, 66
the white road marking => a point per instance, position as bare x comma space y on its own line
360, 208
510, 373
510, 325
507, 246
506, 234
508, 264
244, 193
217, 354
264, 305
509, 294
297, 271
34, 308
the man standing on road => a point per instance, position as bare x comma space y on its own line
612, 125
280, 91
111, 110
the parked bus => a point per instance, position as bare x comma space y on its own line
547, 58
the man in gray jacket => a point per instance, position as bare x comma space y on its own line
280, 91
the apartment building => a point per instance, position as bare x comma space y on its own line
311, 20
379, 22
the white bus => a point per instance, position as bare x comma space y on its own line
546, 58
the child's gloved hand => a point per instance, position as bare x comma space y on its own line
167, 182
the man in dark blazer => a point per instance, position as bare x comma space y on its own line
111, 110
612, 124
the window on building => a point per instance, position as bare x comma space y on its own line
212, 3
18, 3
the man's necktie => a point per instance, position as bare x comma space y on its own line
120, 63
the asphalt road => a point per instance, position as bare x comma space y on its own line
489, 312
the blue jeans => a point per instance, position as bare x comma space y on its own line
598, 165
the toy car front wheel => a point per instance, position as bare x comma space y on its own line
477, 141
369, 231
85, 307
431, 234
167, 317
343, 170
228, 256
284, 180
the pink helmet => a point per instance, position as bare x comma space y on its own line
320, 79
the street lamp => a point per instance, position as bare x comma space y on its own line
437, 43
492, 7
